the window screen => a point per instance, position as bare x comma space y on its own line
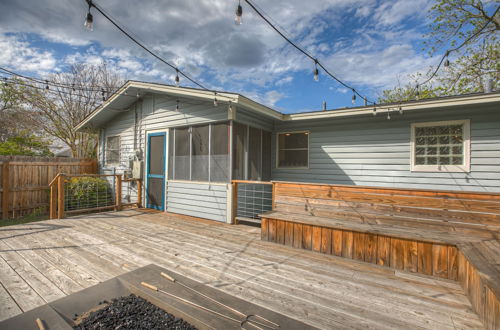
266, 155
219, 158
239, 142
112, 150
254, 154
182, 154
293, 149
199, 152
156, 155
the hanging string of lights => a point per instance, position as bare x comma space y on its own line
73, 87
317, 63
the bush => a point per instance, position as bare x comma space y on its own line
87, 193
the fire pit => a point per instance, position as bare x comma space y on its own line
151, 297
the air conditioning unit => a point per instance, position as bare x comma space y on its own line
137, 169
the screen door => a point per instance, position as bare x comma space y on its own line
155, 173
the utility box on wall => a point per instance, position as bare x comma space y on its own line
137, 169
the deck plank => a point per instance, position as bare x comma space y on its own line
322, 290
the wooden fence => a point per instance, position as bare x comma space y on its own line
24, 181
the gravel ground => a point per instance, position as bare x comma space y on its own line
131, 312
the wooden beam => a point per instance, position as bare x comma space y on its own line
118, 193
139, 193
53, 201
60, 196
5, 190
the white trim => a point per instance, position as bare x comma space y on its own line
278, 150
465, 168
200, 182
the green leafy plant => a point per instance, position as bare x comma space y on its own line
87, 193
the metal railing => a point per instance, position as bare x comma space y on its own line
70, 194
251, 198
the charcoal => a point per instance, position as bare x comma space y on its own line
132, 312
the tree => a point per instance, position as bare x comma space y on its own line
470, 28
25, 144
13, 119
58, 110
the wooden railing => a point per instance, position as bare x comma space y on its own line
60, 205
250, 198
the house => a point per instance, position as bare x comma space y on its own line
191, 143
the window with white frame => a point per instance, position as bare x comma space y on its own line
441, 146
293, 150
112, 150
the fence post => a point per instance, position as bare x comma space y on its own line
273, 193
118, 193
53, 201
60, 196
5, 190
234, 206
139, 193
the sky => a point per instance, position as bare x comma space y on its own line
371, 45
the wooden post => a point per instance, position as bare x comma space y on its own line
53, 201
139, 193
234, 198
118, 193
60, 196
5, 190
273, 193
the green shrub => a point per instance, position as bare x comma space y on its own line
87, 193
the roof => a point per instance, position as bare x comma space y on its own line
126, 95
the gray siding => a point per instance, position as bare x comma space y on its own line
374, 151
259, 121
202, 200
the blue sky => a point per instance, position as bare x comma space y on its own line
371, 45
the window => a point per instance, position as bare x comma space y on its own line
441, 146
293, 150
113, 150
200, 153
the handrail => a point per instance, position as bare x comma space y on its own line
251, 182
55, 179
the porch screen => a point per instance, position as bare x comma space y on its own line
239, 143
251, 153
182, 154
200, 153
219, 153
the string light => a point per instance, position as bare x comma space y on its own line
73, 87
447, 61
365, 102
324, 105
46, 84
374, 111
417, 93
353, 97
316, 71
89, 20
230, 106
6, 82
388, 114
239, 14
177, 79
400, 110
138, 95
177, 105
103, 93
215, 100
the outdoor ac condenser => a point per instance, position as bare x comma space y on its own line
137, 169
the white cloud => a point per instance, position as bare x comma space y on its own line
20, 55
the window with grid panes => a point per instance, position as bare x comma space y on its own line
440, 146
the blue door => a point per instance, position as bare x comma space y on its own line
155, 171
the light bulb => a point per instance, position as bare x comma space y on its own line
239, 14
89, 22
447, 64
388, 115
177, 79
177, 106
353, 99
374, 111
215, 101
46, 84
401, 110
316, 71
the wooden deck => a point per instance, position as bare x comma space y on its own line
43, 261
